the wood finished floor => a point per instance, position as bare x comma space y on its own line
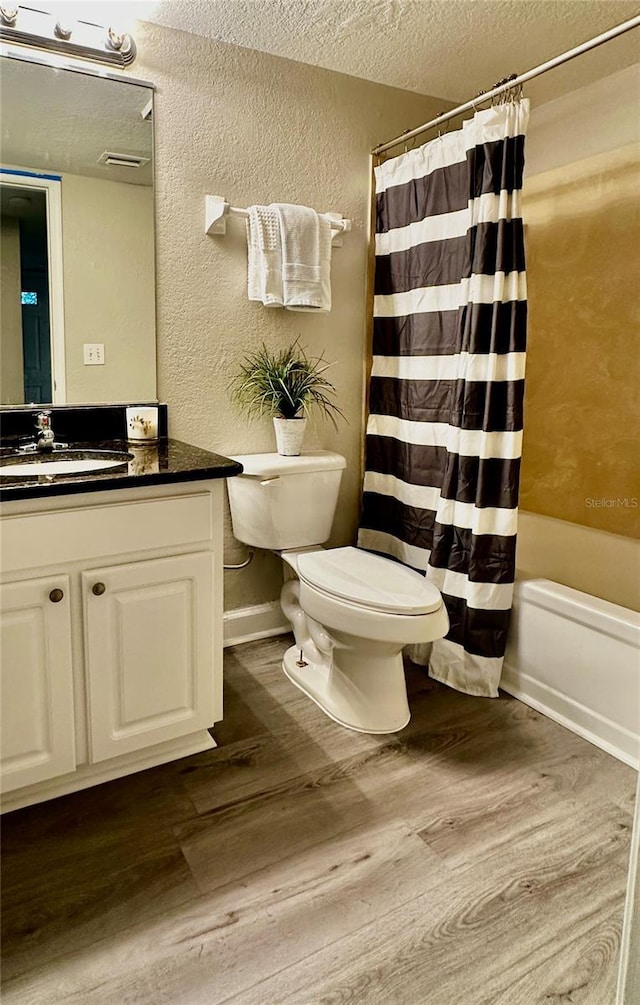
477, 858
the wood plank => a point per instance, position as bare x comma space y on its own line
582, 969
472, 827
466, 939
247, 929
84, 865
300, 743
476, 858
236, 840
259, 764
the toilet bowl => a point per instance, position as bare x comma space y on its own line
351, 611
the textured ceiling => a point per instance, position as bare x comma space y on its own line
446, 48
57, 120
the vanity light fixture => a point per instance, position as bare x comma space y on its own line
114, 40
8, 14
63, 30
80, 39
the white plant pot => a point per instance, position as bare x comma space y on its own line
289, 435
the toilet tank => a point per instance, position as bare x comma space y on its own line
285, 502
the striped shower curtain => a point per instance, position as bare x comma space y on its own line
444, 431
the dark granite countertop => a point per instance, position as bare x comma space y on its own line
151, 463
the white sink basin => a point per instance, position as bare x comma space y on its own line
69, 462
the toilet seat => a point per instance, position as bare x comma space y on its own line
368, 581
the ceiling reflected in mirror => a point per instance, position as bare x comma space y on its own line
58, 120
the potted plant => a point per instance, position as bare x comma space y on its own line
286, 384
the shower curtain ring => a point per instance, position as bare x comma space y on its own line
512, 93
477, 100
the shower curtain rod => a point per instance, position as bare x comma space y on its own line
606, 36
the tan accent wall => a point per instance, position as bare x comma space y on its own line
257, 129
11, 363
109, 292
580, 455
582, 422
592, 561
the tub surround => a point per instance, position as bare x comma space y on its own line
580, 441
578, 522
592, 561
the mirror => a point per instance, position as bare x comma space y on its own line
77, 321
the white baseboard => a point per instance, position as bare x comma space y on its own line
568, 712
246, 624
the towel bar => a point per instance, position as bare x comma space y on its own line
217, 209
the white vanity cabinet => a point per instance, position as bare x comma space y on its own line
111, 634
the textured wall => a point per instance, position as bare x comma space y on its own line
108, 257
257, 129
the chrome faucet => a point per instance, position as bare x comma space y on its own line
45, 437
44, 440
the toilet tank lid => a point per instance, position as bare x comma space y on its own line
272, 465
369, 580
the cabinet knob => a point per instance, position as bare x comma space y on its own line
98, 589
56, 596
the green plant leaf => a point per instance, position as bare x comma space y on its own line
285, 383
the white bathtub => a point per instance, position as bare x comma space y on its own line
577, 659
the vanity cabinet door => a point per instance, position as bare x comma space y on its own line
149, 652
38, 736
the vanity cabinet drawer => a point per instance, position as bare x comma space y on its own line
42, 539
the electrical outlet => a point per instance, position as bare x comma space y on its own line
93, 353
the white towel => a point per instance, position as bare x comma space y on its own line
264, 248
306, 258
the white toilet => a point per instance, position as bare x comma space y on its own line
351, 611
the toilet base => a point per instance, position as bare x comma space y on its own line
378, 706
